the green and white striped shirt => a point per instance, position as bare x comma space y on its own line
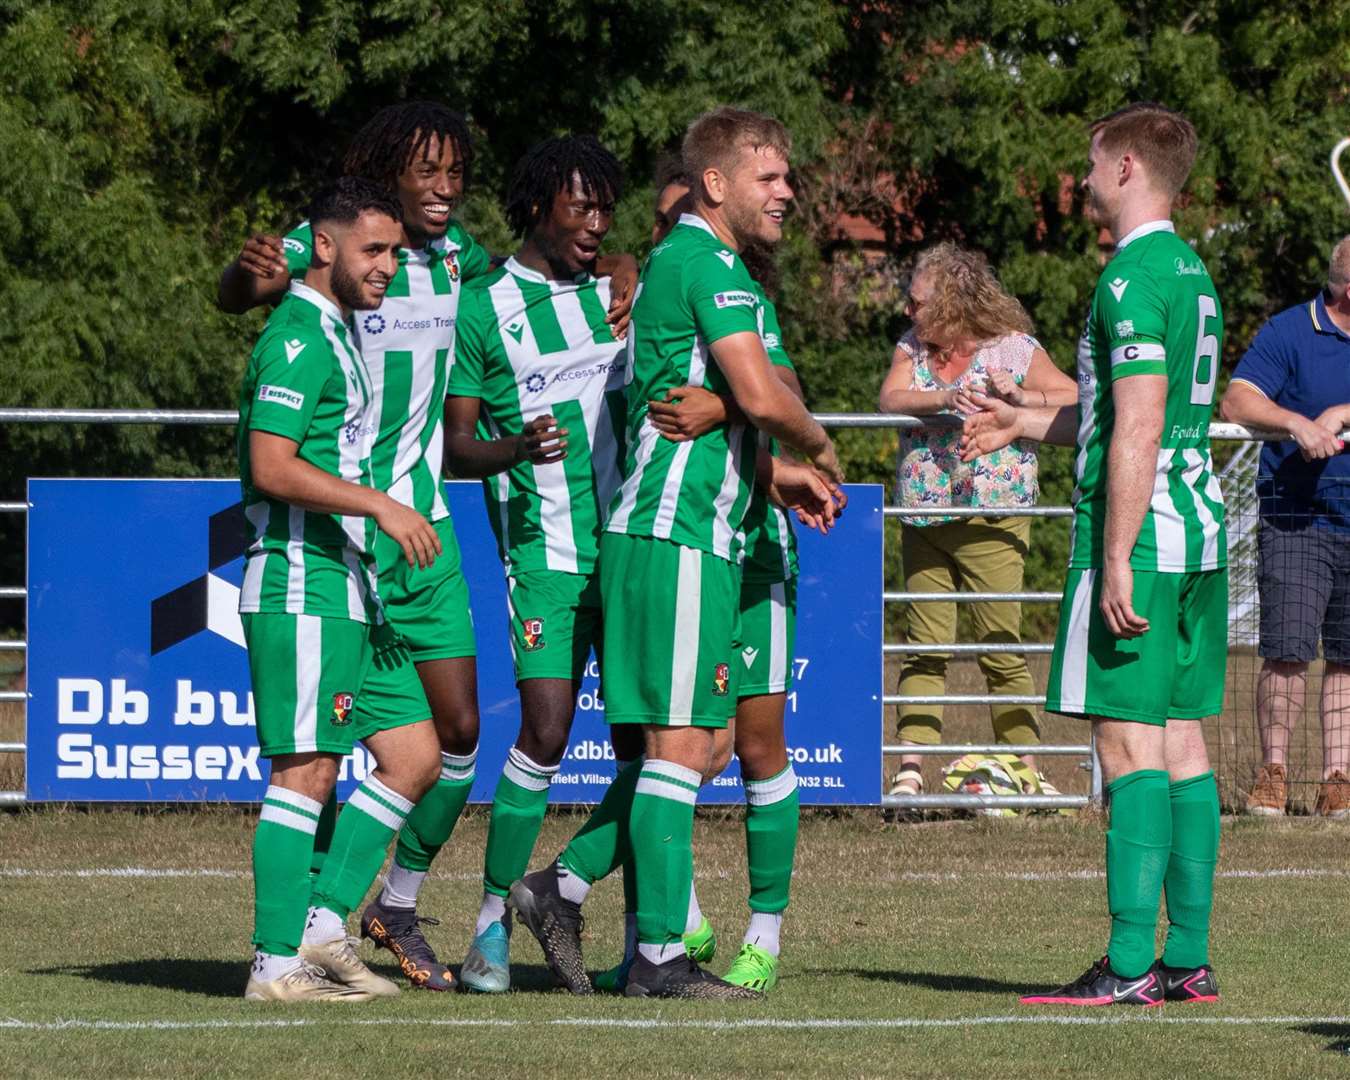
529, 347
306, 382
693, 292
1154, 312
408, 345
770, 543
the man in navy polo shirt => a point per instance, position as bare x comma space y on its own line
1296, 378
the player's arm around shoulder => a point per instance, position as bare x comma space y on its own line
263, 270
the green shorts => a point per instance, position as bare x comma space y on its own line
768, 636
1175, 670
429, 608
322, 683
555, 621
671, 616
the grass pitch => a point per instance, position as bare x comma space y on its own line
126, 948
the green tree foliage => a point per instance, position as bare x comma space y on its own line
141, 141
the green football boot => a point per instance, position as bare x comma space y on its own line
755, 968
615, 980
701, 942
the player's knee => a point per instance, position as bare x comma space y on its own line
543, 744
423, 774
721, 757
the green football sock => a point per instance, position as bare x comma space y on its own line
518, 807
662, 834
771, 813
1137, 845
433, 819
367, 823
600, 845
282, 845
323, 836
1189, 883
629, 876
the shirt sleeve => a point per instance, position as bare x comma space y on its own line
467, 372
298, 246
473, 257
721, 295
1132, 316
772, 337
1265, 365
292, 370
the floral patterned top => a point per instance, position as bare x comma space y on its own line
929, 470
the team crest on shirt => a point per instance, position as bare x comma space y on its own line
533, 630
452, 266
342, 709
721, 680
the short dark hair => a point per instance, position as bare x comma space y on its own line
548, 168
1162, 138
670, 170
347, 198
394, 136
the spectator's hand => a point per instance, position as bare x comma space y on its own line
263, 256
993, 427
1003, 386
963, 399
687, 413
816, 500
1317, 439
411, 531
622, 292
1117, 602
542, 442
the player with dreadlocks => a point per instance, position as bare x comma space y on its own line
670, 553
536, 408
421, 152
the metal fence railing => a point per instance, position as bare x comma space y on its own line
832, 420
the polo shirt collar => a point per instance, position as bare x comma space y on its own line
313, 296
517, 268
698, 223
1143, 230
1321, 321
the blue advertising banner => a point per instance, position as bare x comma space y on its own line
139, 684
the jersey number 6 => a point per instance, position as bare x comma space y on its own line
1206, 355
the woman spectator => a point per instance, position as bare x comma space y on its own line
968, 334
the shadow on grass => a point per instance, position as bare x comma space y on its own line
211, 978
1339, 1034
934, 980
226, 978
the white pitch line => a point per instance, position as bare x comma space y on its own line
638, 1023
165, 872
934, 877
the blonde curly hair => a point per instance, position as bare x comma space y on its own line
968, 301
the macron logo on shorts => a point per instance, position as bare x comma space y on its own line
279, 395
734, 299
